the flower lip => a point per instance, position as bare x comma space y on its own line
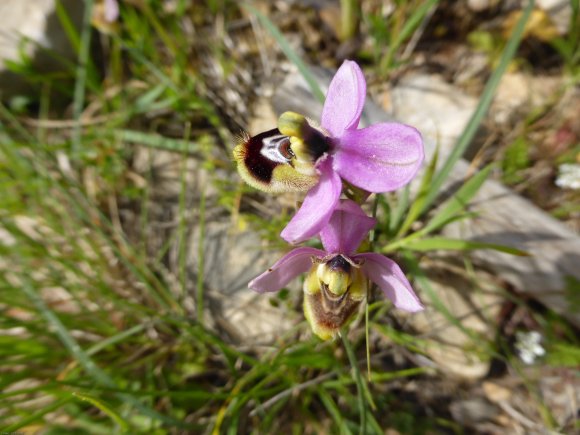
331, 297
277, 149
267, 162
258, 154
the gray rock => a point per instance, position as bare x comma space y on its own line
31, 28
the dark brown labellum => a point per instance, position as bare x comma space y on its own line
264, 152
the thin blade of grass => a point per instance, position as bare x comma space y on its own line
399, 374
117, 338
458, 202
104, 408
481, 110
157, 141
398, 211
410, 25
334, 411
13, 428
68, 27
75, 40
201, 258
446, 244
288, 51
83, 359
449, 211
417, 206
81, 75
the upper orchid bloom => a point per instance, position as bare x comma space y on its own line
337, 280
300, 156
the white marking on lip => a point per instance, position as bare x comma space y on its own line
271, 148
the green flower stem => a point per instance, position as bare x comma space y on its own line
349, 19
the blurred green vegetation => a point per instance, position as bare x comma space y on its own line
95, 334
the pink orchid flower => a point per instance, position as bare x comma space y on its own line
338, 277
379, 158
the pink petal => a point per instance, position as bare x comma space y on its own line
391, 280
111, 10
379, 158
346, 229
344, 100
291, 265
317, 208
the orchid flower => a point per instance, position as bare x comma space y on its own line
337, 279
300, 156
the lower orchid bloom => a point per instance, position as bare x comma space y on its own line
337, 280
301, 156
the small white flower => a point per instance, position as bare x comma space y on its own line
529, 347
111, 10
569, 176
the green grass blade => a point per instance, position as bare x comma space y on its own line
450, 211
288, 51
117, 338
106, 409
68, 341
458, 202
444, 243
81, 74
350, 12
334, 411
484, 103
35, 417
417, 206
68, 26
410, 26
398, 211
83, 358
157, 141
201, 259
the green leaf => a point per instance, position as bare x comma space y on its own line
450, 211
82, 72
83, 359
123, 425
333, 411
443, 243
458, 202
398, 209
564, 354
411, 24
417, 205
157, 141
484, 103
516, 159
